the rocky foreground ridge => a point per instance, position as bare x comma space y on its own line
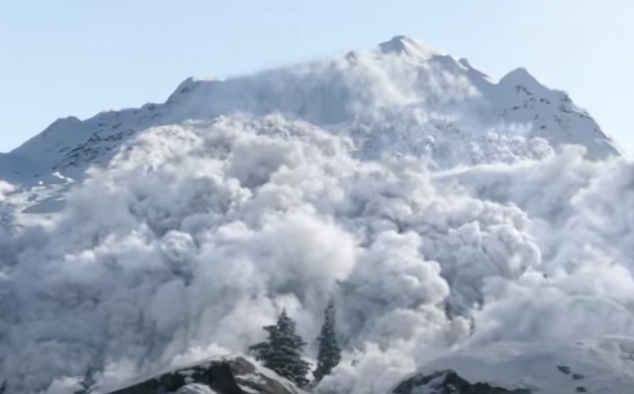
238, 375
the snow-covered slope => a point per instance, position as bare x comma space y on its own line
438, 208
601, 366
18, 169
437, 99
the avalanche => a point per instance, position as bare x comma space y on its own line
441, 210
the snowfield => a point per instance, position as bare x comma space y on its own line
457, 221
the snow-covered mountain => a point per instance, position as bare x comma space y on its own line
403, 79
450, 216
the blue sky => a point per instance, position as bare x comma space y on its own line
79, 57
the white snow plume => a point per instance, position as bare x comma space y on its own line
197, 235
429, 227
6, 223
4, 189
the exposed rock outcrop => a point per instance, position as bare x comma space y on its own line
223, 376
448, 382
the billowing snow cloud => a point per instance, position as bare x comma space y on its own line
199, 235
195, 235
4, 188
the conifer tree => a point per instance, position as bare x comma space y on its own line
329, 354
281, 352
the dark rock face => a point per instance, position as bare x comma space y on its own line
227, 376
449, 382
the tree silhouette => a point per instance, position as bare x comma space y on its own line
282, 351
329, 354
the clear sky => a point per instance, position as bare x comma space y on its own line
79, 57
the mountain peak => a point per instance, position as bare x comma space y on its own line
403, 45
519, 76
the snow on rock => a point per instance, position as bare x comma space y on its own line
403, 45
225, 375
54, 139
522, 99
24, 171
596, 366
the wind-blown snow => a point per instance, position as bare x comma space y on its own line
389, 187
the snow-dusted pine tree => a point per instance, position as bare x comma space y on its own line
329, 354
282, 351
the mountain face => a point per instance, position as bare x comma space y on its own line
436, 99
462, 226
